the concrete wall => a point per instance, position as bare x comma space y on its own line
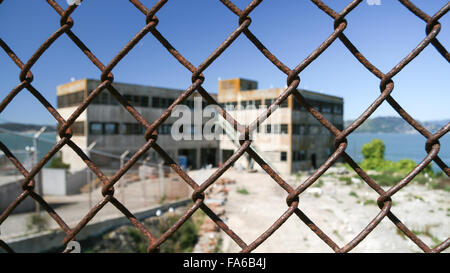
75, 181
9, 192
51, 240
54, 181
60, 182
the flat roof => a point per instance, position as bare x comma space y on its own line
65, 88
314, 93
138, 85
83, 83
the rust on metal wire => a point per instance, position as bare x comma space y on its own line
293, 79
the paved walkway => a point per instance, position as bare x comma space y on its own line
135, 196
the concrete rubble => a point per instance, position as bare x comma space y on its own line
215, 198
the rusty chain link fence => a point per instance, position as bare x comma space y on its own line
386, 86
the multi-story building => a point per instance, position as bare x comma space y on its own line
291, 139
114, 130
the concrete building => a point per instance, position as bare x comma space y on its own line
114, 130
291, 139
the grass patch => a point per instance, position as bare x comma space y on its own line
37, 222
370, 202
335, 232
400, 233
426, 232
184, 239
242, 191
354, 194
218, 246
417, 197
346, 179
386, 178
440, 183
318, 184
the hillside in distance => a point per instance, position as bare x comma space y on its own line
395, 125
20, 127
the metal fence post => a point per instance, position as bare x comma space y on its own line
37, 178
88, 174
122, 180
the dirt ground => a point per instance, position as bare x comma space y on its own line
340, 209
255, 201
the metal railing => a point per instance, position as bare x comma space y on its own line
293, 79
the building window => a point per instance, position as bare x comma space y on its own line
298, 106
298, 155
276, 128
257, 104
96, 128
295, 129
110, 128
268, 129
133, 129
170, 102
137, 101
268, 102
283, 156
164, 129
304, 130
326, 108
313, 129
283, 129
78, 128
230, 105
163, 102
284, 104
189, 103
337, 109
340, 127
104, 98
302, 155
166, 102
144, 101
155, 102
71, 99
251, 104
316, 105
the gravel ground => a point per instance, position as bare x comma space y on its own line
341, 210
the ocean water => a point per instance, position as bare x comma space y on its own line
398, 146
16, 143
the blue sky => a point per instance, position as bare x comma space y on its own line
291, 29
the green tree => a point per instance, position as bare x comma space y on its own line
407, 165
374, 149
373, 153
57, 163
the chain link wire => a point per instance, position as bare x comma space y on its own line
386, 86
